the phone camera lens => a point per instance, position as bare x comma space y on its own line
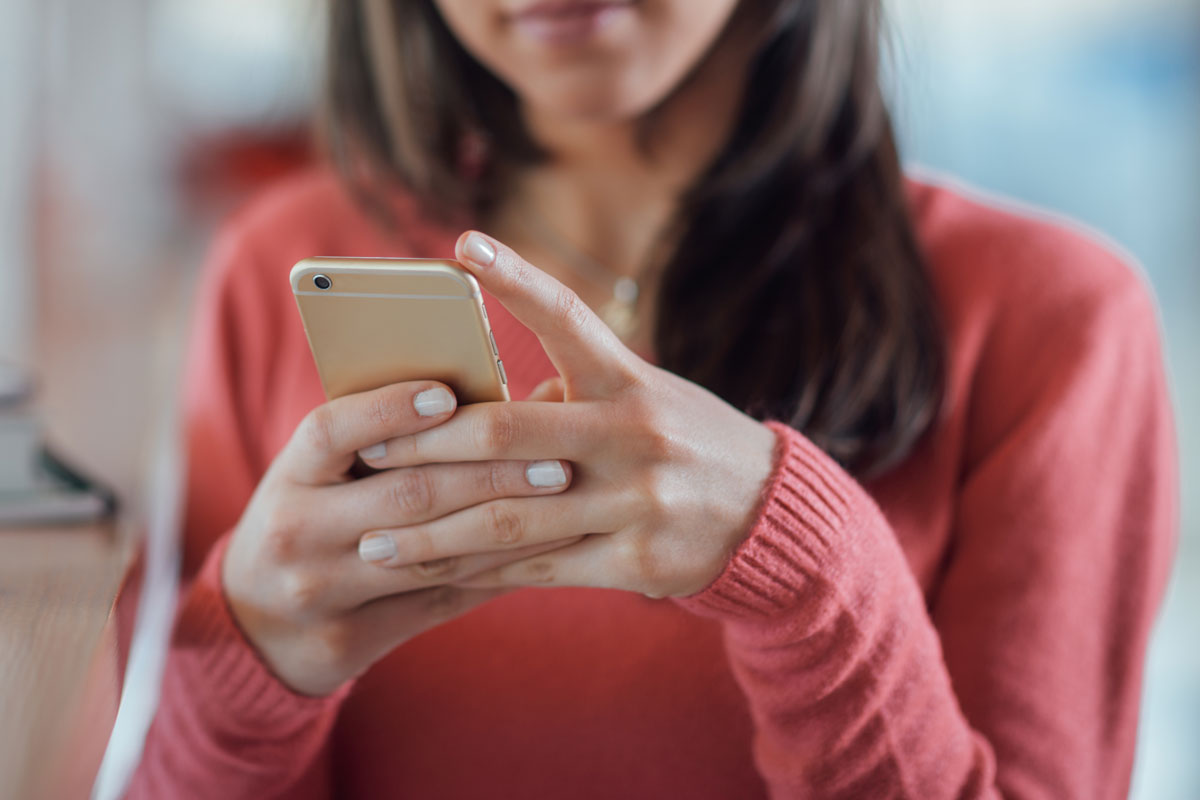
322, 282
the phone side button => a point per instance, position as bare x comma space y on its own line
503, 377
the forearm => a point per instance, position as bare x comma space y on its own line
828, 636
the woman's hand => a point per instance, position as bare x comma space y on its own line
667, 476
294, 572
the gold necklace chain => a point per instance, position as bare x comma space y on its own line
620, 313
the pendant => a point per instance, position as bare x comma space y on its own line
620, 317
620, 313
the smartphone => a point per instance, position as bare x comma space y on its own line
371, 322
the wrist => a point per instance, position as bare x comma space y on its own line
212, 656
758, 460
811, 518
753, 452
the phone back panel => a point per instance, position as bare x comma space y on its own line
384, 321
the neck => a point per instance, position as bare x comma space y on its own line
611, 188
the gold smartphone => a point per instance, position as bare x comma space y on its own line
371, 322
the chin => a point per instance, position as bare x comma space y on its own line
591, 104
594, 60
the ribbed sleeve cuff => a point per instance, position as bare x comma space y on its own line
211, 654
794, 545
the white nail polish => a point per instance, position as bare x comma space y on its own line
546, 474
432, 402
374, 452
479, 250
375, 547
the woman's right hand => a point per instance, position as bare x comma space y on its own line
315, 610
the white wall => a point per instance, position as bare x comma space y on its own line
19, 28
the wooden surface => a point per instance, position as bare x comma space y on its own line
58, 677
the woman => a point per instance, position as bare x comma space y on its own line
882, 477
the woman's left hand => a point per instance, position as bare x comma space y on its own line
666, 475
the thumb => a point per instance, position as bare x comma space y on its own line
586, 353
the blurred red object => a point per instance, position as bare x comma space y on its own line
219, 172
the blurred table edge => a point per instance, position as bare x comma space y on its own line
59, 681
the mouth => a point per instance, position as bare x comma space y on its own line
564, 22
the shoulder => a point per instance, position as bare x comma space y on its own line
1036, 308
996, 257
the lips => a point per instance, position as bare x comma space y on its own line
568, 21
560, 9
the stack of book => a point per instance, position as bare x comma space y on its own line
36, 488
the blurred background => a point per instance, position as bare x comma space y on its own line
131, 127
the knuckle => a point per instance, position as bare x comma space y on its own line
494, 479
656, 442
641, 501
444, 601
317, 429
520, 273
301, 591
383, 411
569, 311
502, 524
406, 449
498, 431
654, 487
488, 479
539, 571
337, 642
631, 377
640, 561
417, 546
412, 493
438, 569
280, 538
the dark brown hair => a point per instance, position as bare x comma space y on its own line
798, 290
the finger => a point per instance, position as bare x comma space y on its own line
583, 349
498, 525
595, 562
411, 495
518, 430
550, 390
358, 582
324, 445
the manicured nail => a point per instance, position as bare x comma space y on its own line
432, 402
374, 452
375, 547
479, 250
546, 474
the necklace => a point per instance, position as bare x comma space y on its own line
620, 312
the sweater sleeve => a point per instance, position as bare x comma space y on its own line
1021, 678
225, 727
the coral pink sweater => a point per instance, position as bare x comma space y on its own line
972, 625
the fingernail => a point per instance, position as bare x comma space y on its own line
375, 547
479, 250
374, 452
432, 402
545, 474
